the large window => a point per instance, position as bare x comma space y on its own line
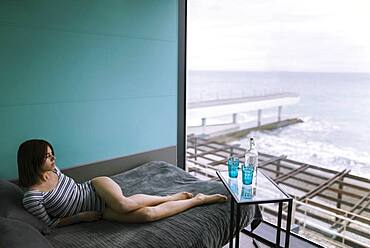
295, 75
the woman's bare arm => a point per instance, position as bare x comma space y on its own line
80, 217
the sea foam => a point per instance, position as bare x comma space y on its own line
310, 142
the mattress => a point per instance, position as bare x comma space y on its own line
202, 226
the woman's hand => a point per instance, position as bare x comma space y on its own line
89, 216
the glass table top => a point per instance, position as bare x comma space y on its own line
265, 191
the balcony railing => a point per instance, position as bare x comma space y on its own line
333, 206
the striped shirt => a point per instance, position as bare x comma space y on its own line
66, 199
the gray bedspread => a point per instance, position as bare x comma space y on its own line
203, 226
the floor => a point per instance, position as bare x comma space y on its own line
268, 231
246, 242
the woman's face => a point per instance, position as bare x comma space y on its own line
49, 162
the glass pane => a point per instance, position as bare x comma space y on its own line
295, 75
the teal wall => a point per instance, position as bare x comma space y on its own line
97, 79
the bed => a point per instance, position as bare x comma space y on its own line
202, 226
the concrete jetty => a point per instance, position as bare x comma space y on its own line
214, 108
218, 107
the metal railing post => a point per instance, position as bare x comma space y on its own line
235, 117
339, 196
204, 122
279, 113
259, 117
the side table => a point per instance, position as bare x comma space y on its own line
266, 191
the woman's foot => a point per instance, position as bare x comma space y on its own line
180, 196
208, 199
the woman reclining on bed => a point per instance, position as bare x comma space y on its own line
58, 200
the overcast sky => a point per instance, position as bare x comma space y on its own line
279, 35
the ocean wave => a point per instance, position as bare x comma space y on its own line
310, 142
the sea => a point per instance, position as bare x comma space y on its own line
334, 107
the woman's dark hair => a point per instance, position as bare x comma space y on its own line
30, 158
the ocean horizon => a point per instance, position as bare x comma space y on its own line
334, 107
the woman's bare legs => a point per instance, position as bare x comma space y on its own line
111, 193
167, 209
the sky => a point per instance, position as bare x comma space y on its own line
279, 35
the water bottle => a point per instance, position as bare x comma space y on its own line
249, 169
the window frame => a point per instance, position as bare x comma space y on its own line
181, 85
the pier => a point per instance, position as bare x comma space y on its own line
204, 110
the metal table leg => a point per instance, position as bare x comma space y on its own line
231, 222
278, 229
288, 222
237, 225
